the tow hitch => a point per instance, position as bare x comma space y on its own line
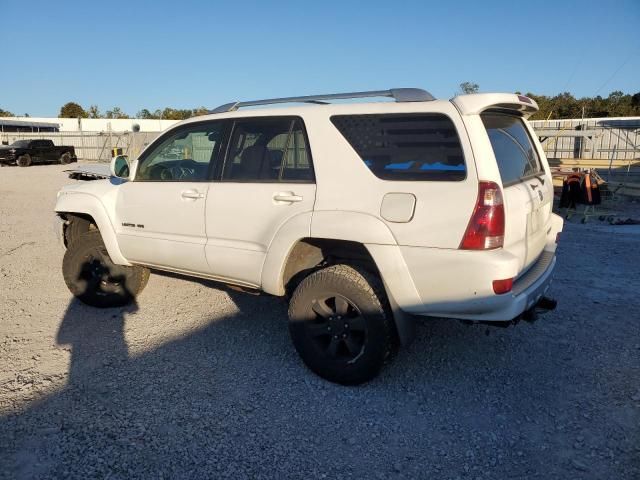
544, 305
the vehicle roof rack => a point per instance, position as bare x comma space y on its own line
398, 94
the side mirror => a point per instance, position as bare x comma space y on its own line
120, 167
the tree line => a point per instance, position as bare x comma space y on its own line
565, 105
561, 106
74, 110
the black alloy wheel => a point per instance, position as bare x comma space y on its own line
340, 330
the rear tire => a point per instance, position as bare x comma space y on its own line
341, 325
94, 279
65, 158
23, 161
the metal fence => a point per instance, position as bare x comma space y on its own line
590, 138
612, 139
94, 146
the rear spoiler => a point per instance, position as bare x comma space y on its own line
477, 103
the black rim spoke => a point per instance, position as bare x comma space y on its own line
339, 330
353, 346
332, 349
320, 330
99, 274
357, 323
342, 306
93, 282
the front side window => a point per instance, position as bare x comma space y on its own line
514, 151
405, 147
268, 150
185, 155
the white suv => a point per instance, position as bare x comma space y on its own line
362, 214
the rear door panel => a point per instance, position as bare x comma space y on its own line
266, 181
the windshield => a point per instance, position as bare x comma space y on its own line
21, 143
516, 156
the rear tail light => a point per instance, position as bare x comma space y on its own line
486, 227
558, 237
502, 286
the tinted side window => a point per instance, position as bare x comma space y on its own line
405, 147
297, 160
513, 149
184, 155
268, 150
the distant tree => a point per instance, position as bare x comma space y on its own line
72, 110
200, 111
616, 96
94, 112
5, 113
145, 114
565, 105
175, 114
116, 112
469, 87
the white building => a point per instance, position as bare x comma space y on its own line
99, 124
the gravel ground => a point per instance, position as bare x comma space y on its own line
197, 381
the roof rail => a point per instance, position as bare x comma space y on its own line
398, 94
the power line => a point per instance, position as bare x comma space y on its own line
615, 73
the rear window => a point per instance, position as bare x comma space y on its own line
405, 147
514, 151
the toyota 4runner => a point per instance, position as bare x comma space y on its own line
361, 214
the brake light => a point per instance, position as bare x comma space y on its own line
486, 227
558, 237
502, 286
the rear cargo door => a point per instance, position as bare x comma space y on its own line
527, 189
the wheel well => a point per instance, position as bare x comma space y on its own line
82, 221
310, 254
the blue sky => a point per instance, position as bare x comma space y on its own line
186, 54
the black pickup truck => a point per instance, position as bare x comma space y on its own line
25, 152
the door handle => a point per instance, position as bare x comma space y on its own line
288, 197
192, 194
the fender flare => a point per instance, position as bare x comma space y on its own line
358, 227
334, 225
81, 202
376, 236
288, 235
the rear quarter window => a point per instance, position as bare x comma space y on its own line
514, 151
405, 147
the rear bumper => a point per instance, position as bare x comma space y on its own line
527, 292
459, 283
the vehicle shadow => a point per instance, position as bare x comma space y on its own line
233, 400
